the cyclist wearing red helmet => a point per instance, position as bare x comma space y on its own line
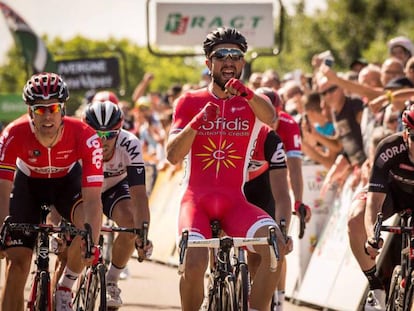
39, 163
390, 189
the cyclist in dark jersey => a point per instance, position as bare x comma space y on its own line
40, 156
214, 129
391, 184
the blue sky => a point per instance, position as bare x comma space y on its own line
97, 19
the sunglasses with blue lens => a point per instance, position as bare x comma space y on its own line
221, 54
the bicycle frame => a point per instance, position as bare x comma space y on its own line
92, 284
402, 281
225, 267
40, 297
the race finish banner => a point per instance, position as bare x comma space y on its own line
90, 73
11, 107
186, 24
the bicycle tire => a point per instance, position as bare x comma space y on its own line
228, 294
79, 300
101, 272
43, 292
213, 294
394, 291
242, 287
92, 288
409, 290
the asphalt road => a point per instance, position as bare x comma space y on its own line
150, 286
154, 286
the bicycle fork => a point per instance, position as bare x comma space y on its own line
40, 293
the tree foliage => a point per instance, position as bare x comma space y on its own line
350, 29
134, 62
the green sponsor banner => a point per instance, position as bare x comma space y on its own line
11, 107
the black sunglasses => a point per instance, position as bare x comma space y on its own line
221, 54
329, 90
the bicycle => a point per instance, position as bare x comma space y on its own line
229, 281
92, 284
40, 298
400, 296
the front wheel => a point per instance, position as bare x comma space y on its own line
242, 287
92, 288
228, 294
394, 302
43, 293
408, 299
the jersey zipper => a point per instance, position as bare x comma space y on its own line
49, 157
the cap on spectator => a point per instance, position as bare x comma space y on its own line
399, 83
403, 42
359, 61
143, 102
174, 90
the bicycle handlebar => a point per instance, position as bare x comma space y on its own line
141, 232
301, 213
377, 227
235, 242
64, 228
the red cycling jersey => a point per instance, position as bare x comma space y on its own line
216, 166
20, 148
289, 131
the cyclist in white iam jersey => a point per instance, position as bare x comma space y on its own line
124, 196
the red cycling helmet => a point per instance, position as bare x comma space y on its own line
105, 95
45, 86
408, 117
273, 96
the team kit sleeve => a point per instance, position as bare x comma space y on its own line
183, 114
135, 166
379, 172
274, 151
92, 158
8, 154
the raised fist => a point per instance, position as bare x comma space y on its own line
236, 87
209, 113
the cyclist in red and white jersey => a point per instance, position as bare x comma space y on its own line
124, 195
266, 187
215, 129
40, 156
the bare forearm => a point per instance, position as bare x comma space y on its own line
140, 204
263, 110
179, 145
324, 158
295, 177
5, 189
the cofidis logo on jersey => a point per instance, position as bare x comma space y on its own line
222, 124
